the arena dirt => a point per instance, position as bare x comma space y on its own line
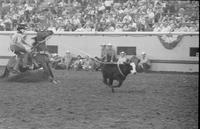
82, 101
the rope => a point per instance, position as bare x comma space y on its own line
120, 70
100, 61
87, 54
93, 57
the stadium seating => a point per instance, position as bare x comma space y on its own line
100, 15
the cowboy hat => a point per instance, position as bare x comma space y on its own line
67, 51
109, 44
34, 37
143, 53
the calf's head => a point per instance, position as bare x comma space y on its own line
133, 71
134, 63
127, 68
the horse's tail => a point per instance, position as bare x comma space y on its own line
5, 73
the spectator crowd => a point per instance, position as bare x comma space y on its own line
101, 15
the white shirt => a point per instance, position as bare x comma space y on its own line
122, 60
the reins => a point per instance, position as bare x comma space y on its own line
39, 42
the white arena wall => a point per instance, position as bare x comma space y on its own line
177, 59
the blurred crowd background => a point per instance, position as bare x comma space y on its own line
101, 15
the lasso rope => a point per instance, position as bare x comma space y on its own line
85, 53
100, 61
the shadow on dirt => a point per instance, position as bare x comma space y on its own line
29, 76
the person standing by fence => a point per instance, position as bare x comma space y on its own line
145, 63
122, 58
110, 54
67, 59
103, 50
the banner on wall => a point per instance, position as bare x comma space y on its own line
170, 41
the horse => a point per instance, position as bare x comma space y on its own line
39, 57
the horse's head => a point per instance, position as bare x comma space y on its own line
134, 63
40, 39
41, 35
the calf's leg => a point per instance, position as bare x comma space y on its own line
111, 84
110, 81
105, 80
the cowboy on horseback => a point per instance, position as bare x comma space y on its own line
20, 47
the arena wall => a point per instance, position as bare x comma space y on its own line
178, 59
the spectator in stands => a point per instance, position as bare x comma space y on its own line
101, 15
108, 4
156, 27
165, 27
2, 25
118, 28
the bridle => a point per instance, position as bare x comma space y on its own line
40, 42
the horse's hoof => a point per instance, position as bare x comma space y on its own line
58, 81
54, 82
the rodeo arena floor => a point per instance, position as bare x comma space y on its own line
81, 101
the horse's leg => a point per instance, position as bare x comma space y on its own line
50, 74
46, 71
50, 71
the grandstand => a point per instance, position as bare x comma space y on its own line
101, 15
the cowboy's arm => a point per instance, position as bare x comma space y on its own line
24, 41
145, 60
14, 39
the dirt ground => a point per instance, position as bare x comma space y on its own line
82, 101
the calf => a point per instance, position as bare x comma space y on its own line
116, 72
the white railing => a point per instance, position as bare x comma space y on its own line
108, 33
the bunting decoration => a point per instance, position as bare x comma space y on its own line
170, 41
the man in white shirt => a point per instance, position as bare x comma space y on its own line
108, 4
122, 58
145, 63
